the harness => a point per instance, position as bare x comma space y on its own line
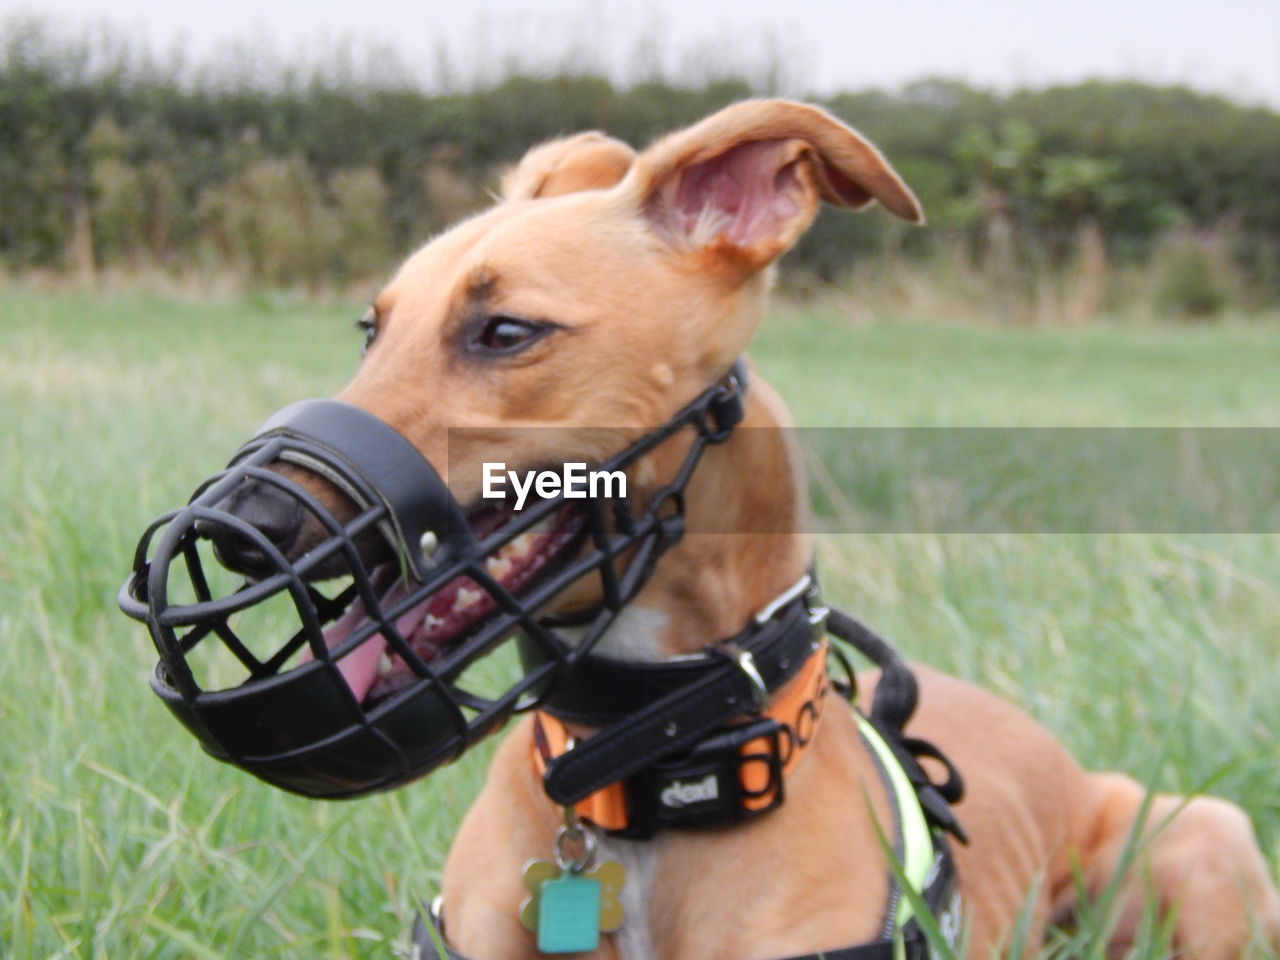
674, 752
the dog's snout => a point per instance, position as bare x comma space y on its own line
276, 515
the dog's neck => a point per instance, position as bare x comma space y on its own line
748, 542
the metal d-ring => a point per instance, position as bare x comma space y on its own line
574, 831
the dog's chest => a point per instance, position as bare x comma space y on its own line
639, 858
634, 635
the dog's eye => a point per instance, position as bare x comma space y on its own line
368, 325
507, 334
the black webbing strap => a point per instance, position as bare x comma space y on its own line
423, 946
897, 694
722, 690
600, 691
915, 946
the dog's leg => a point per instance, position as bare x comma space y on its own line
1196, 858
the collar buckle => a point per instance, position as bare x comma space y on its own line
747, 664
818, 611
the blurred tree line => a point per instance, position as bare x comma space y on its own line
111, 160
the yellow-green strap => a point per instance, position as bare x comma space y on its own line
917, 842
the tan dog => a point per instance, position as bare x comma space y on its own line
625, 284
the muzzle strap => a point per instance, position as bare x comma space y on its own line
370, 461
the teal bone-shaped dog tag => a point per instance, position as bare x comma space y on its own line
569, 914
569, 910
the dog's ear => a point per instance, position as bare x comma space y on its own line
744, 184
587, 161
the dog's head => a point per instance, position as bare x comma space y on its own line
606, 288
605, 294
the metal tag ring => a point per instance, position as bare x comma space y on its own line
575, 834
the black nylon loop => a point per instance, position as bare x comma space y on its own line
952, 789
897, 694
898, 691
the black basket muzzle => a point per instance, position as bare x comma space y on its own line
311, 674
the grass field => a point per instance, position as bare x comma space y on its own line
1158, 654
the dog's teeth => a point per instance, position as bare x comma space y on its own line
521, 545
384, 665
430, 622
465, 599
498, 567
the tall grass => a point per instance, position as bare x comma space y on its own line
118, 838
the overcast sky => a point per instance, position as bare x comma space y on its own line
1229, 46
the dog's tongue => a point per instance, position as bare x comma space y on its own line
359, 668
431, 624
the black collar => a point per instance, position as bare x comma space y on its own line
600, 691
649, 711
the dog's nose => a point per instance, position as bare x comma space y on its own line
276, 515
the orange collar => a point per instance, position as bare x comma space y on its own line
795, 711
